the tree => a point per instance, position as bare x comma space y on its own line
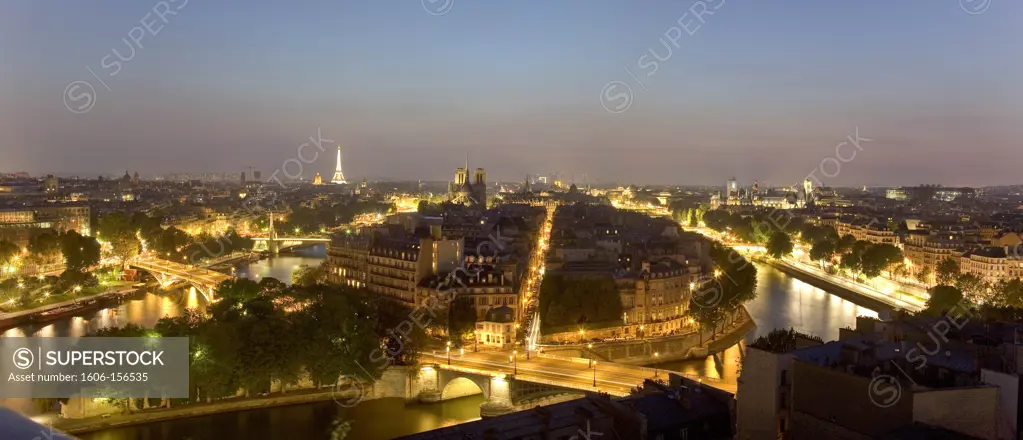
79, 252
717, 297
45, 248
8, 252
307, 275
822, 250
117, 229
1008, 293
812, 234
899, 270
972, 287
845, 243
760, 231
779, 245
924, 275
943, 298
878, 257
948, 271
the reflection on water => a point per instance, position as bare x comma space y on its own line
283, 266
782, 302
371, 420
145, 309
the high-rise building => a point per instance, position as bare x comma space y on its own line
243, 177
256, 175
339, 177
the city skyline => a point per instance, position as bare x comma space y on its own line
755, 90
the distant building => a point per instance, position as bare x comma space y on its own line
391, 263
896, 194
318, 179
497, 329
469, 192
19, 225
51, 184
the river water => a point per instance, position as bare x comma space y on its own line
782, 302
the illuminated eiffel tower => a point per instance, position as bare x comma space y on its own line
339, 177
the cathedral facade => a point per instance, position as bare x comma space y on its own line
472, 192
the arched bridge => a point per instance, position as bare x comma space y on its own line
503, 393
167, 272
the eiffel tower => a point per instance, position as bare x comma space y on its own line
339, 177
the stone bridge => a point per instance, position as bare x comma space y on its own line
502, 393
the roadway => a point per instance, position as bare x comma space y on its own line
611, 378
914, 300
186, 272
900, 301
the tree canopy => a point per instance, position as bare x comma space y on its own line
779, 245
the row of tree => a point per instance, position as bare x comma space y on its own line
71, 248
1003, 293
856, 256
717, 299
269, 332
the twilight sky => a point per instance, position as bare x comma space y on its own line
762, 89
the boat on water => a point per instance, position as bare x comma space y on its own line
58, 313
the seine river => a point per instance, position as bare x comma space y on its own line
782, 302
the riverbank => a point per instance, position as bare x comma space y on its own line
91, 424
830, 287
87, 303
693, 345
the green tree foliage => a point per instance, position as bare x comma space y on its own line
578, 300
779, 245
429, 209
972, 286
461, 319
206, 247
813, 234
877, 258
1008, 293
119, 230
45, 248
168, 241
8, 251
306, 275
948, 271
79, 252
720, 293
149, 228
845, 243
852, 260
943, 298
822, 250
259, 333
924, 275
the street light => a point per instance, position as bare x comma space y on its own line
476, 341
589, 354
515, 361
448, 349
594, 374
